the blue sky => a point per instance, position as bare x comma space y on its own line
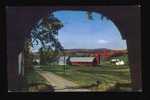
80, 32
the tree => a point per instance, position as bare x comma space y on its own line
45, 33
90, 16
48, 56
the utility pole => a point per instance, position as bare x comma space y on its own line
64, 64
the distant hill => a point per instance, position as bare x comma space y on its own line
93, 50
87, 50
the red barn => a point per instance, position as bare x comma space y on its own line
83, 61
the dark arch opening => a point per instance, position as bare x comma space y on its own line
119, 15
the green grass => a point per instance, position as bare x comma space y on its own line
32, 77
84, 75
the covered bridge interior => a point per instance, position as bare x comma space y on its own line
21, 19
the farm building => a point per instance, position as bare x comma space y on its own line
83, 60
63, 60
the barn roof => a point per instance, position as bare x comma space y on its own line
82, 59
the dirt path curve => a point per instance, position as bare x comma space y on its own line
59, 83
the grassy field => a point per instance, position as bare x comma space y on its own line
35, 82
33, 77
87, 75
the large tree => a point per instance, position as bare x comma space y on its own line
44, 33
48, 56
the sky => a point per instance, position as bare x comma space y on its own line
80, 32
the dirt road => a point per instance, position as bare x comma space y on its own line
60, 84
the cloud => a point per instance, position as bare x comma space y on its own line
102, 41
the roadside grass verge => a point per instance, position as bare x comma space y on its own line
36, 83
